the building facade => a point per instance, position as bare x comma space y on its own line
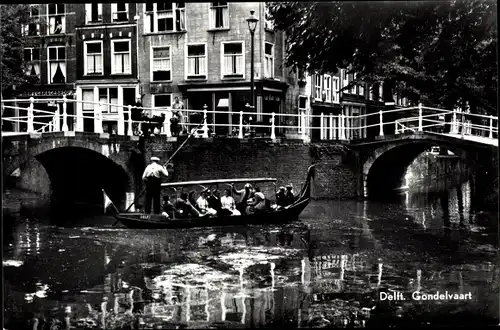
107, 66
50, 56
201, 53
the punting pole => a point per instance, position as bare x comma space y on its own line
168, 161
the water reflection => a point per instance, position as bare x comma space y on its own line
329, 272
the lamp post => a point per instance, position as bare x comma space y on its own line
252, 25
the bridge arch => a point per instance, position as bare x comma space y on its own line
385, 167
78, 169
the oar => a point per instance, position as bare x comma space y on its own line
168, 161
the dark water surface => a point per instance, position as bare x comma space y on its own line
328, 270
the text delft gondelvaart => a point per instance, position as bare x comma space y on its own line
417, 295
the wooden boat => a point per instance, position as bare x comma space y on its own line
284, 215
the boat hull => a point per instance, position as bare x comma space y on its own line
154, 221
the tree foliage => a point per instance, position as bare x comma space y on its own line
12, 17
437, 52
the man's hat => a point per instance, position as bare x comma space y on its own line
155, 159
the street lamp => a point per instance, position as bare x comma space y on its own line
252, 25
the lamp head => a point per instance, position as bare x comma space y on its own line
252, 21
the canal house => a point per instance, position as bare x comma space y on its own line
106, 69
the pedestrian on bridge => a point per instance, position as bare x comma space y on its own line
152, 178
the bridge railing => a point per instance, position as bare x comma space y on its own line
243, 124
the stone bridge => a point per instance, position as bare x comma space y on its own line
383, 161
77, 165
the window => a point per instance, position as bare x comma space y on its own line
353, 88
57, 18
219, 15
268, 23
233, 59
345, 80
162, 64
302, 110
371, 96
318, 87
57, 64
93, 12
33, 27
120, 57
32, 60
196, 61
119, 12
361, 89
381, 92
269, 60
108, 96
336, 90
93, 58
165, 17
328, 87
162, 100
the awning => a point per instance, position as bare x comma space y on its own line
223, 103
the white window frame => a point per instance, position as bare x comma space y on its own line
63, 18
371, 95
113, 41
381, 91
31, 60
109, 109
301, 111
114, 10
229, 76
25, 28
85, 68
353, 88
186, 61
345, 80
88, 13
161, 94
335, 89
268, 24
267, 58
327, 87
318, 89
154, 14
361, 89
49, 78
211, 16
151, 60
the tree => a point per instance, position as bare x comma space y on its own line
437, 52
12, 17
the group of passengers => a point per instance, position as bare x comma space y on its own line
210, 203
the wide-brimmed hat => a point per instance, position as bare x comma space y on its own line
155, 159
260, 196
248, 185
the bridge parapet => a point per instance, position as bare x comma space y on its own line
247, 124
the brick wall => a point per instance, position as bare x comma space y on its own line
286, 161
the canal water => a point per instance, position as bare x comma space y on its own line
329, 269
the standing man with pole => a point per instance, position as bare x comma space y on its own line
152, 179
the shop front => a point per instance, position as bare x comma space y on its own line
109, 99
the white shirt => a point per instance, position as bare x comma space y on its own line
202, 203
227, 202
154, 169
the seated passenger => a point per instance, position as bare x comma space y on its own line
214, 201
184, 208
245, 193
281, 200
257, 204
290, 198
202, 204
228, 206
168, 208
192, 199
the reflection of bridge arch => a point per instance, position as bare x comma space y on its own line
385, 163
